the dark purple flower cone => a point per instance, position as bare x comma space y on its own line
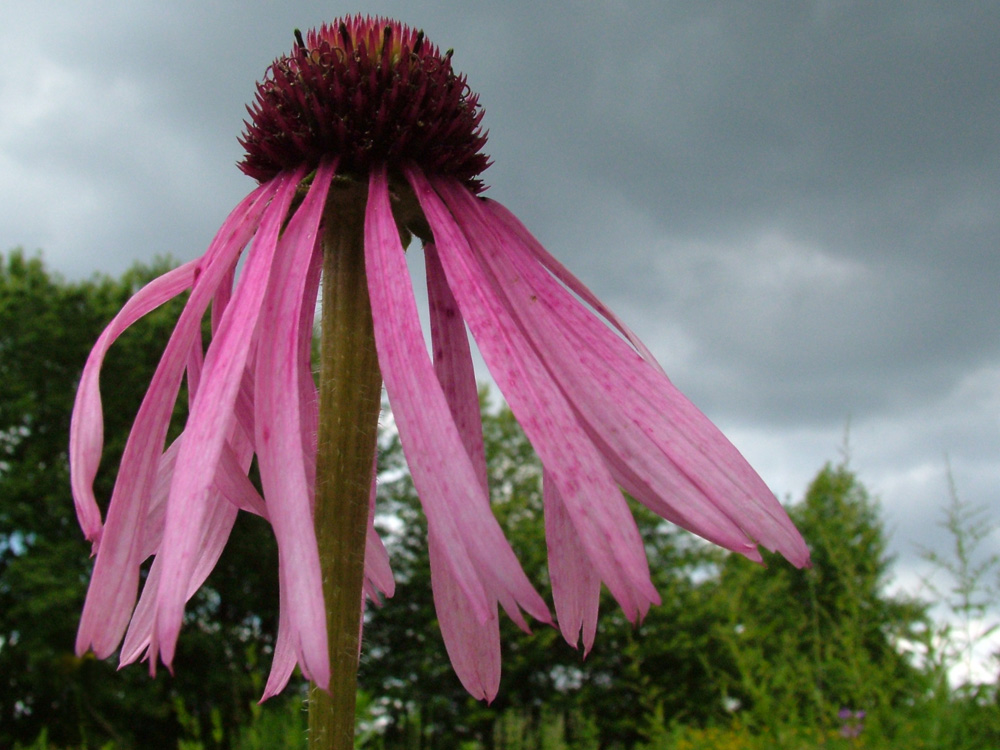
368, 91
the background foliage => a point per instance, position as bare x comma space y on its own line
738, 655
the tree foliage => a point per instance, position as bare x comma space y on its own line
770, 645
804, 644
737, 653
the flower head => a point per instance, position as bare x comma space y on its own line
371, 92
367, 110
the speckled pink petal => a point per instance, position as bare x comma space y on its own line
231, 482
222, 296
216, 527
156, 509
576, 586
86, 435
529, 292
426, 429
473, 647
562, 273
115, 580
192, 370
204, 435
279, 440
472, 543
455, 371
600, 515
453, 362
308, 393
659, 446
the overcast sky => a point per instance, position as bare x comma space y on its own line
795, 204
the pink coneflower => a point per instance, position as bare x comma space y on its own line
367, 116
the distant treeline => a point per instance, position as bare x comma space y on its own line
738, 656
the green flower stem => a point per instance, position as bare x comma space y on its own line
350, 398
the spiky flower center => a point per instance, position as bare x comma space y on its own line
367, 91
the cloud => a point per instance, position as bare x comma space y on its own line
797, 206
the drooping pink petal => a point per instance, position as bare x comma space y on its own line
156, 509
217, 525
378, 574
455, 371
562, 273
453, 362
529, 292
115, 580
222, 297
283, 661
576, 586
279, 439
231, 484
473, 647
86, 436
205, 435
195, 362
659, 446
599, 512
234, 486
285, 654
308, 393
472, 544
416, 395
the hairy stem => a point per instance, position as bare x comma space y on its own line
350, 398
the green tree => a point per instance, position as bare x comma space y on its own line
778, 646
632, 674
966, 584
47, 327
803, 644
404, 664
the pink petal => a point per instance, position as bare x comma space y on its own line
472, 544
156, 509
419, 407
222, 297
231, 481
453, 362
308, 393
565, 276
455, 371
473, 647
204, 437
195, 362
378, 572
233, 484
283, 661
601, 402
115, 579
576, 586
598, 510
279, 437
86, 436
661, 448
216, 527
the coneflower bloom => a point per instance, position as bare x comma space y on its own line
367, 109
